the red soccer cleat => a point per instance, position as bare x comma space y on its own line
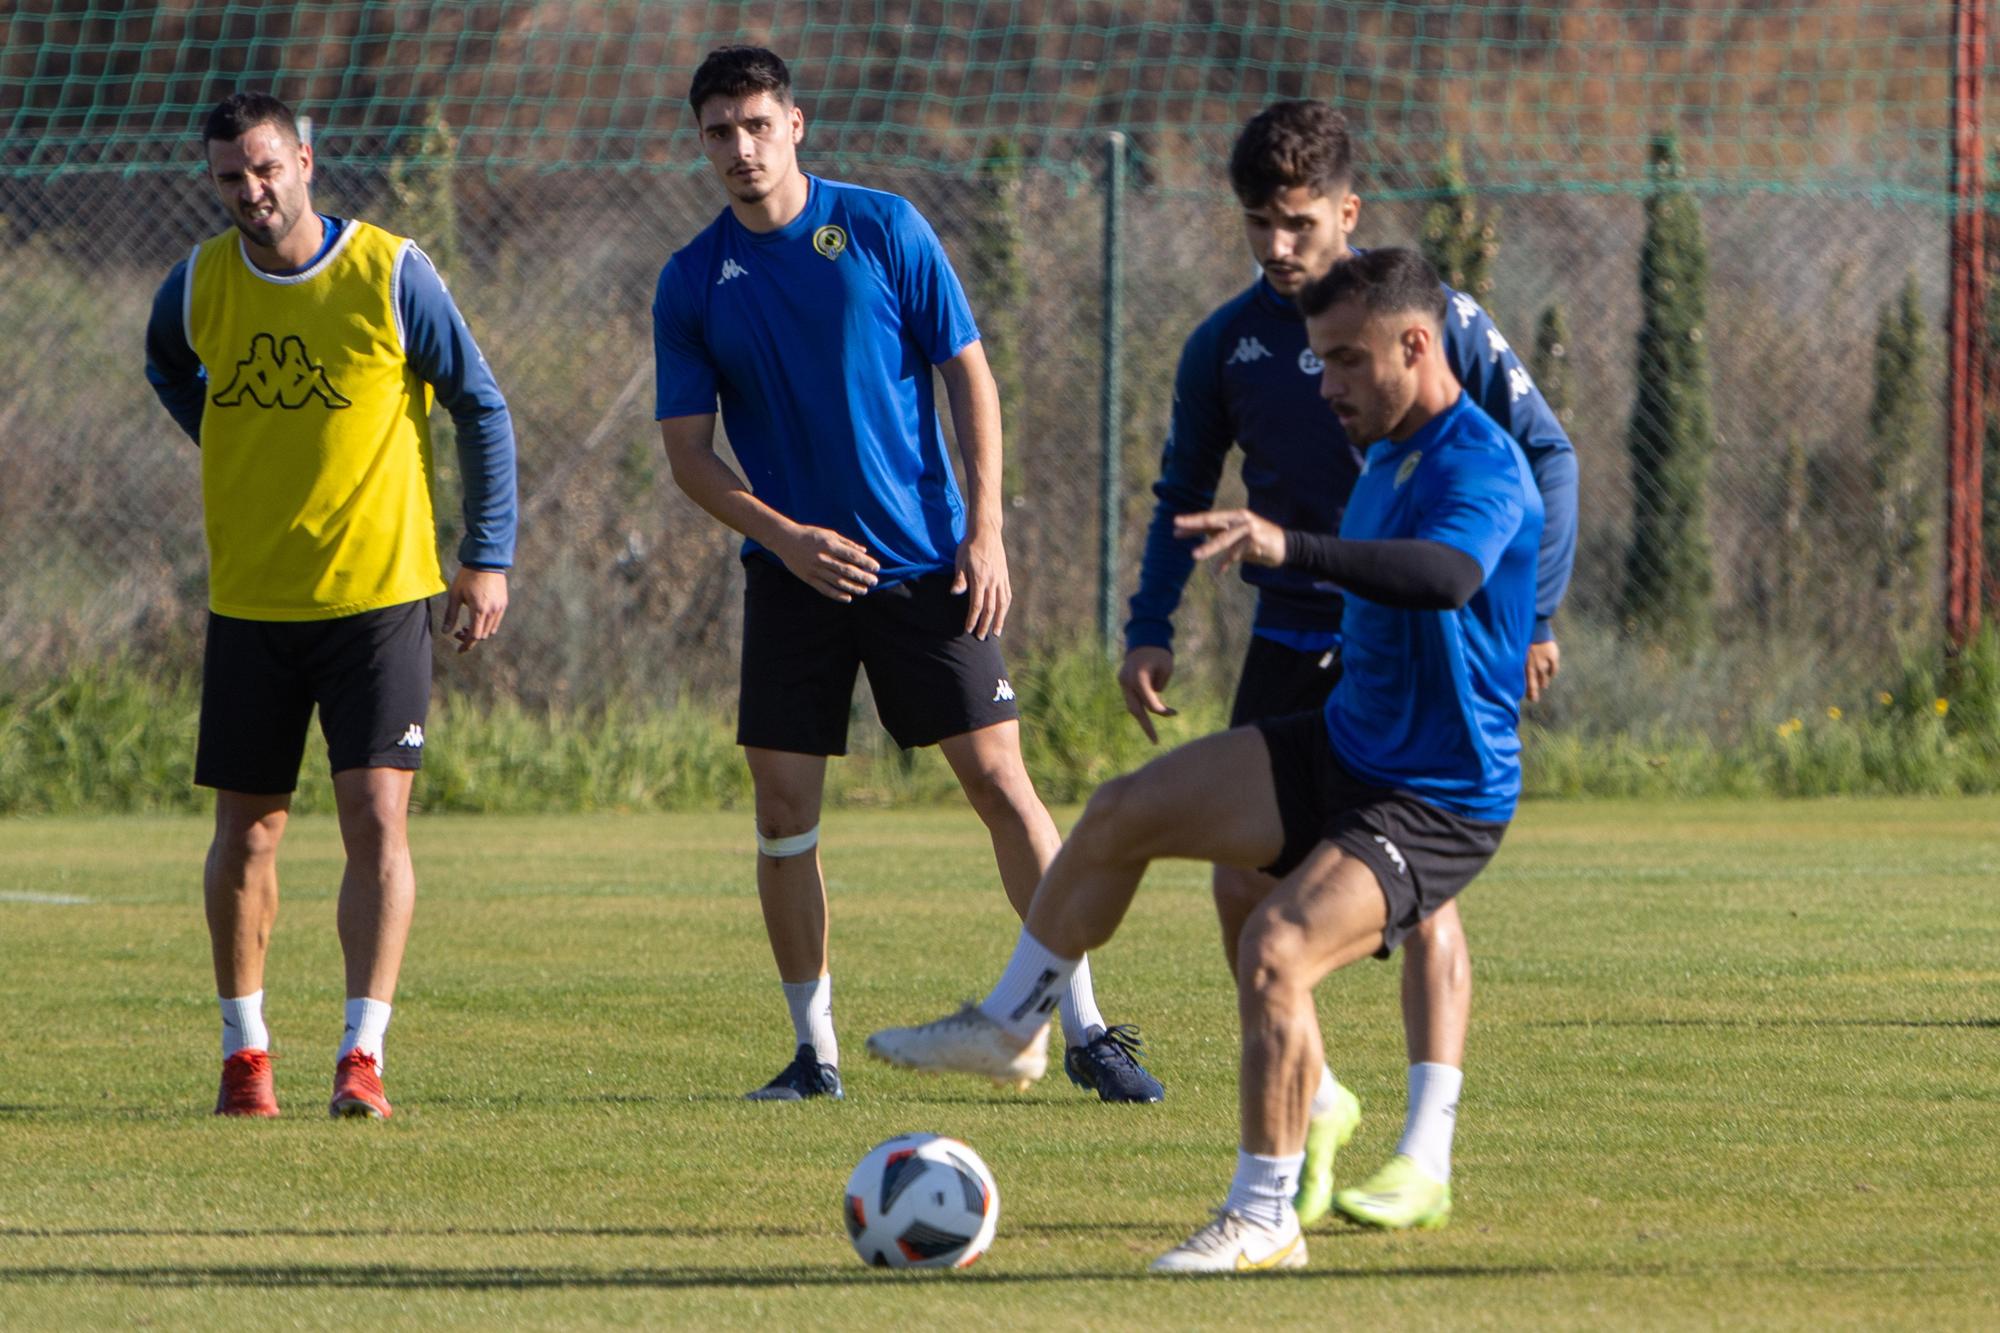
246, 1086
357, 1088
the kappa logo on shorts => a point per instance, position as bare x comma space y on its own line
1002, 691
413, 739
269, 379
1395, 854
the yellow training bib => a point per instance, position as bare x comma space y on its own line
315, 440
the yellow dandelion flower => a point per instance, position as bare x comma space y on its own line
1885, 698
1940, 706
1833, 713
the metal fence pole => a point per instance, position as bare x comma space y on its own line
1110, 507
1965, 320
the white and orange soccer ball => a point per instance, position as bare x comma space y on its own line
921, 1201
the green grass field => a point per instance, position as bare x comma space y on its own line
1732, 1063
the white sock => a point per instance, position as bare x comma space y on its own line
1263, 1188
243, 1024
367, 1025
811, 1003
1432, 1117
1080, 1019
1328, 1089
1030, 988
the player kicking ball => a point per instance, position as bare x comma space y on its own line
1371, 813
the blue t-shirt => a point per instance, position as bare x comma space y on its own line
1248, 380
819, 339
1429, 701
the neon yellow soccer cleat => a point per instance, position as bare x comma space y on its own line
1326, 1135
1399, 1197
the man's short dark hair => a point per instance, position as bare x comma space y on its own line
1392, 281
1289, 144
740, 71
239, 113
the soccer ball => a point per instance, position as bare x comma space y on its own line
921, 1201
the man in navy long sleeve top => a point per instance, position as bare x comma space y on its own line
1248, 379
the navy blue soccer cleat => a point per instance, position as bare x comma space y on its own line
803, 1078
1109, 1065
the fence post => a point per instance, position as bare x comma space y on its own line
1965, 333
1110, 509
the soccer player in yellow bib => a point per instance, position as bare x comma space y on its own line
301, 352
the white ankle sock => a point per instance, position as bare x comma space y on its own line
1263, 1188
1433, 1115
1080, 1019
1325, 1094
1030, 988
243, 1024
367, 1025
811, 1003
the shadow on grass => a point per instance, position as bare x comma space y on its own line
552, 1232
1762, 1023
518, 1279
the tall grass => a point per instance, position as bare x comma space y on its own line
119, 737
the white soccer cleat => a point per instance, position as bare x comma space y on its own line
967, 1042
1232, 1243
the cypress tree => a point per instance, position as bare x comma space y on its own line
1669, 579
1900, 431
1460, 244
420, 189
1000, 281
1550, 362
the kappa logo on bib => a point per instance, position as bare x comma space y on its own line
830, 241
290, 379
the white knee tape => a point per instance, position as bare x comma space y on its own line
796, 845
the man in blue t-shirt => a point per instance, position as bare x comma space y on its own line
815, 312
1247, 379
1372, 811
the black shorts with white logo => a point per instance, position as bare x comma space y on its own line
370, 675
1278, 681
1422, 856
931, 680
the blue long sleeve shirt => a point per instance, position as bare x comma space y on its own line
1248, 379
440, 349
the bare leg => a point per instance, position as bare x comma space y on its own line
988, 765
1238, 893
791, 889
378, 890
1437, 990
1323, 916
240, 887
1209, 800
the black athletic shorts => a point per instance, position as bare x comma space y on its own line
370, 674
1422, 856
1278, 681
801, 650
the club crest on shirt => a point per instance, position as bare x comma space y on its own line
1309, 363
830, 241
1409, 467
287, 378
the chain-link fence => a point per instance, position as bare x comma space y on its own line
542, 153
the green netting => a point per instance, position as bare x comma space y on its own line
1839, 98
